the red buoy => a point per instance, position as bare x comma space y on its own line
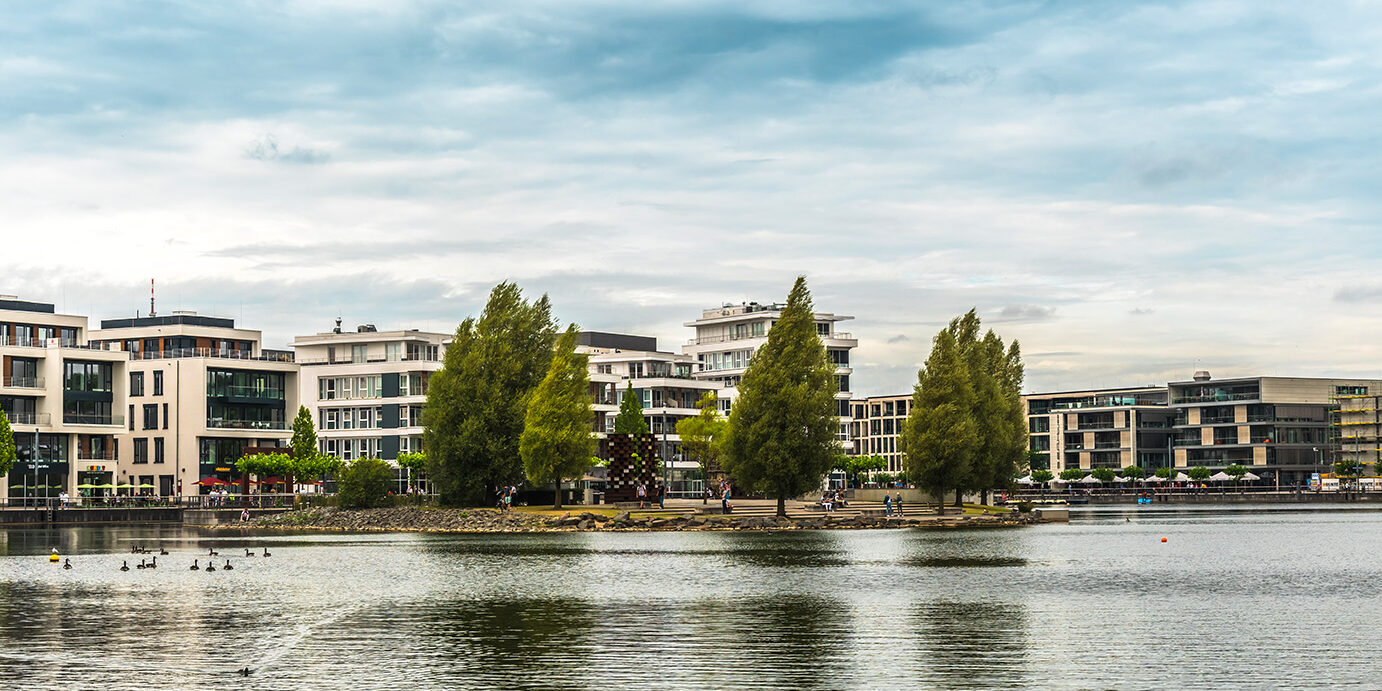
1163, 539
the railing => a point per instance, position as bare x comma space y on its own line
1108, 444
22, 382
245, 392
352, 361
221, 423
79, 419
275, 356
30, 418
85, 455
1215, 398
1216, 420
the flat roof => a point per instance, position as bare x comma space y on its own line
25, 305
170, 320
1073, 392
604, 339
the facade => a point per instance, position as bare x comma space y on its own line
200, 392
728, 336
366, 389
1104, 428
876, 422
65, 399
1356, 428
1276, 426
665, 388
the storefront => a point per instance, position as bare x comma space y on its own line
30, 479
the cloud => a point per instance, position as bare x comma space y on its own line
1141, 311
899, 338
266, 149
1012, 313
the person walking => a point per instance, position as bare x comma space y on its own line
724, 497
662, 495
887, 504
899, 504
642, 494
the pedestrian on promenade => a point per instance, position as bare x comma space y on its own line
508, 497
642, 494
887, 504
662, 496
724, 497
899, 504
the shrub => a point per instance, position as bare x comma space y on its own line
365, 483
1024, 507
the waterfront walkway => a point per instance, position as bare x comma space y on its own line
768, 507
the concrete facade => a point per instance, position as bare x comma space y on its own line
1103, 428
876, 423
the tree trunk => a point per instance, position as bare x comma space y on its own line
556, 502
984, 497
959, 498
782, 507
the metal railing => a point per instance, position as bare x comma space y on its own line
22, 382
79, 419
267, 356
222, 423
352, 361
232, 391
1216, 398
30, 418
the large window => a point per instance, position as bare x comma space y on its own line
76, 412
221, 451
243, 416
247, 384
141, 450
150, 416
87, 376
136, 383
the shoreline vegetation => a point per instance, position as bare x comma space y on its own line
447, 520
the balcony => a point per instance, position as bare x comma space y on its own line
1108, 444
222, 423
1221, 397
89, 455
22, 382
266, 356
104, 420
30, 418
246, 392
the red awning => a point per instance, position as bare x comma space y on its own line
211, 482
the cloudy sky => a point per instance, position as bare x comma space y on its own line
1133, 190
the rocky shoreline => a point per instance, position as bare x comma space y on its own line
437, 520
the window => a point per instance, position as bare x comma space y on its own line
150, 416
131, 417
165, 416
141, 450
1351, 390
393, 352
136, 383
87, 376
359, 353
823, 328
158, 450
158, 383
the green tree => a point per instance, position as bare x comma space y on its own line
1237, 472
7, 450
854, 466
940, 435
558, 438
1165, 473
1042, 477
1199, 473
304, 441
630, 419
364, 483
884, 479
1072, 474
782, 429
414, 463
703, 436
477, 402
1038, 460
1134, 472
1103, 474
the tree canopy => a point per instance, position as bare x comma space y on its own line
782, 428
477, 402
558, 432
854, 466
1071, 474
630, 419
703, 436
8, 454
1199, 473
304, 441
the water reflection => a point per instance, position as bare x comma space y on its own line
973, 644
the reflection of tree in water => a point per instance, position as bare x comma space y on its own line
795, 549
524, 643
972, 644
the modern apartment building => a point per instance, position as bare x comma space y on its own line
201, 392
728, 336
65, 400
665, 388
1277, 426
875, 424
366, 388
1356, 428
1103, 428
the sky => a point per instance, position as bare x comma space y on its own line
1133, 191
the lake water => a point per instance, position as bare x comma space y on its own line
1233, 598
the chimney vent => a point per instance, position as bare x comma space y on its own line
1202, 375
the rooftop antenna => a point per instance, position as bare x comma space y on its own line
152, 313
338, 326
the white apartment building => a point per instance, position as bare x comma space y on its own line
64, 399
202, 393
665, 388
728, 336
366, 388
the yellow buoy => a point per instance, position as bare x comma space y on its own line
53, 558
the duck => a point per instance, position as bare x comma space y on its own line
153, 564
248, 553
266, 551
244, 672
162, 552
124, 566
141, 565
67, 563
210, 567
228, 567
194, 566
212, 552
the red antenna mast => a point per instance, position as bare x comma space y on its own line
152, 313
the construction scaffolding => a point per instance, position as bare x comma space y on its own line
1355, 429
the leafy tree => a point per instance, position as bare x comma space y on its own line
940, 434
1072, 474
630, 419
703, 436
901, 478
1237, 471
781, 438
1038, 460
1199, 473
477, 402
884, 479
364, 483
304, 441
1165, 473
854, 466
414, 463
1134, 472
557, 439
7, 449
1103, 474
1042, 477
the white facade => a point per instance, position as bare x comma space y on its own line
201, 392
727, 338
65, 400
366, 389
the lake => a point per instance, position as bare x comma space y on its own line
1234, 597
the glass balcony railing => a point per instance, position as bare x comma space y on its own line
86, 419
223, 423
245, 392
29, 418
22, 382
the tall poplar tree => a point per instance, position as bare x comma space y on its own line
782, 429
304, 443
477, 402
940, 434
630, 419
558, 431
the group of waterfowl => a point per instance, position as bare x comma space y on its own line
152, 563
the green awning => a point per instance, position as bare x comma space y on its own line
86, 485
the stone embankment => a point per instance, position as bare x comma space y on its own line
412, 519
